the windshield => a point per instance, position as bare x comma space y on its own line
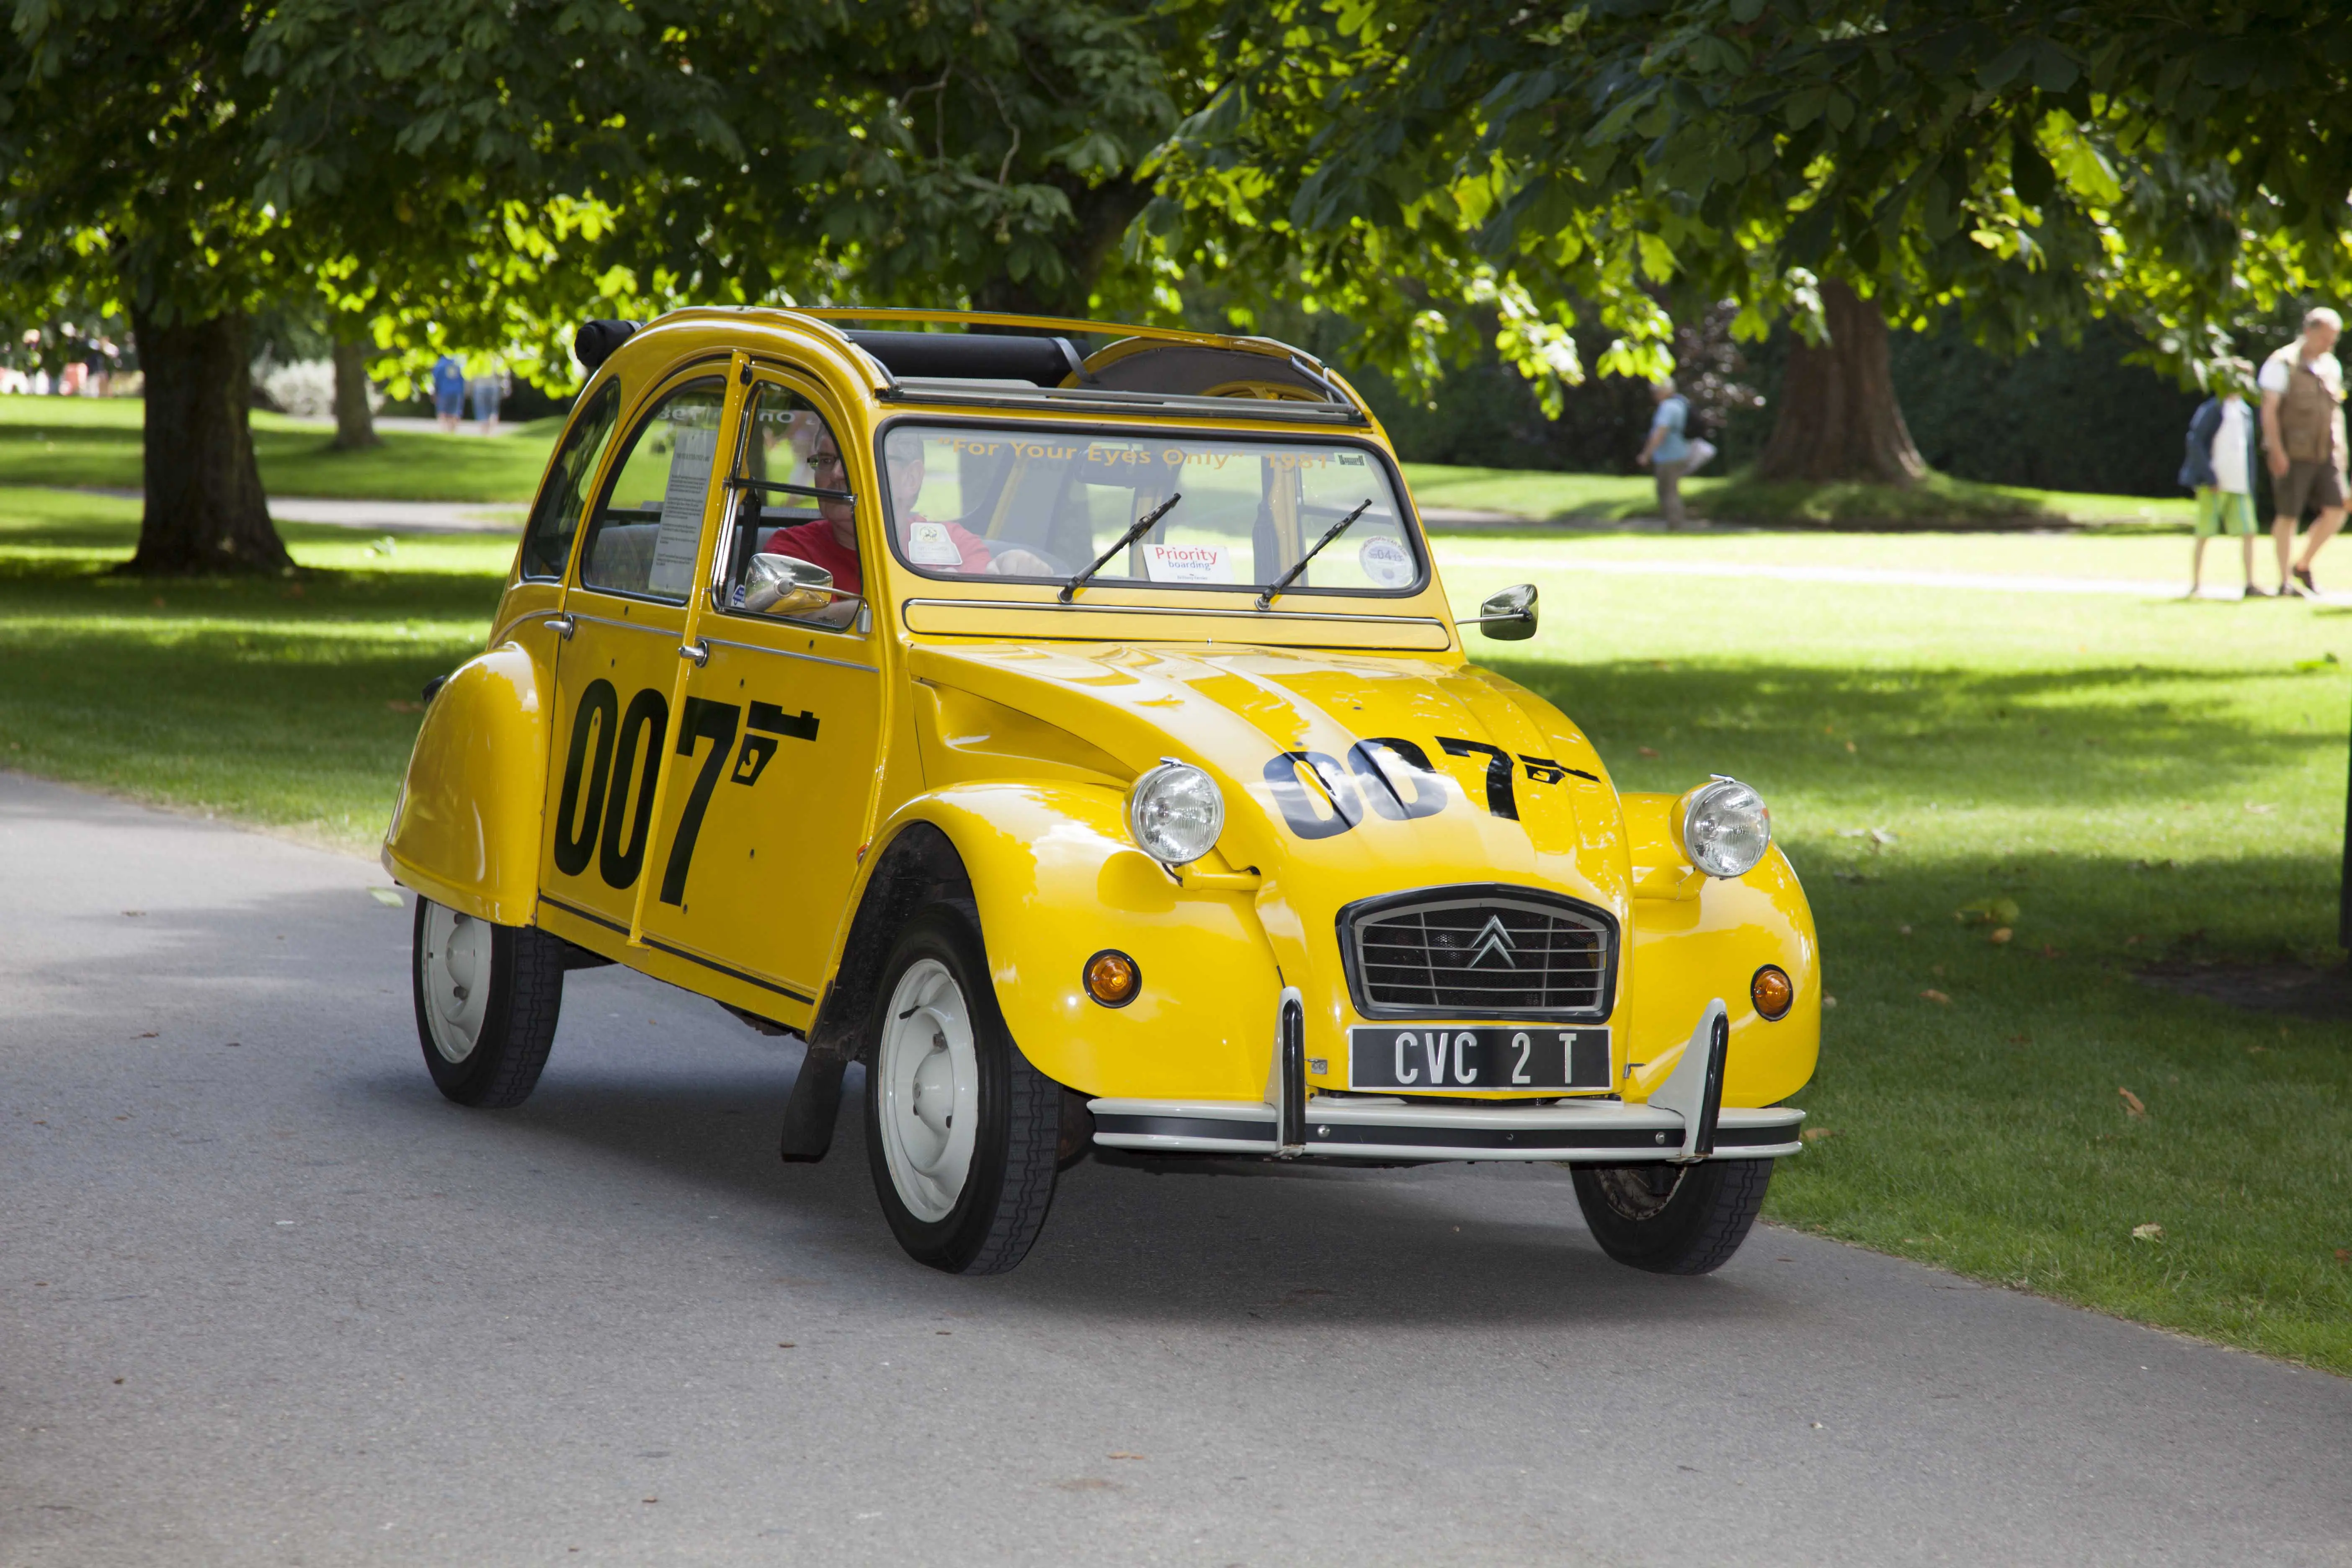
1042, 504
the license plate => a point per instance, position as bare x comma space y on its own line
1481, 1057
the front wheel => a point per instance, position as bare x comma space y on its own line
1673, 1219
962, 1132
487, 999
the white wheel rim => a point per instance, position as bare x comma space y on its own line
927, 1076
456, 966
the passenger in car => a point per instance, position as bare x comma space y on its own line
830, 541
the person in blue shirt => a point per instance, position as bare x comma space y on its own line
448, 391
1669, 453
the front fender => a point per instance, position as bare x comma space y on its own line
466, 830
1056, 881
1696, 938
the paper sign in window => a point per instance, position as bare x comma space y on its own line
930, 544
692, 450
1189, 562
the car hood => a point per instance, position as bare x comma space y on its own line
1345, 775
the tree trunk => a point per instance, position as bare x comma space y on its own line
354, 421
1839, 419
205, 511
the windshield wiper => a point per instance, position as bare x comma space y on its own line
1285, 581
1143, 526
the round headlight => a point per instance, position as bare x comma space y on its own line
1175, 811
1726, 828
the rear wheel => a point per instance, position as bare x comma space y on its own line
962, 1132
1673, 1219
487, 998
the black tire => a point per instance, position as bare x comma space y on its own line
492, 1060
999, 1207
1673, 1219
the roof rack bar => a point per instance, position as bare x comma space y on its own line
917, 389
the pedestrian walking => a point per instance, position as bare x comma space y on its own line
487, 389
1670, 453
448, 392
2219, 466
2302, 439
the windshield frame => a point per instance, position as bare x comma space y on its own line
1408, 514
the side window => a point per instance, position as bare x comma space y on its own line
563, 494
648, 521
797, 506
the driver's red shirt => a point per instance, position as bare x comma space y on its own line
814, 543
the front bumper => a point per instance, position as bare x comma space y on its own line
1362, 1127
1683, 1122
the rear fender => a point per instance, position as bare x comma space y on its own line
465, 829
1056, 881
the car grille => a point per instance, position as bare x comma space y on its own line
1479, 956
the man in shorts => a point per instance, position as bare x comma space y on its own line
2219, 468
2303, 396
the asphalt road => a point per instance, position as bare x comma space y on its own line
264, 1298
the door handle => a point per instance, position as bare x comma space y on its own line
561, 626
696, 650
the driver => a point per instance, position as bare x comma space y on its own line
830, 541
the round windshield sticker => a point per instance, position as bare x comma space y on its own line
1386, 563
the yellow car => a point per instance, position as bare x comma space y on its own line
1067, 722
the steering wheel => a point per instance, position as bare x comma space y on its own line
1054, 566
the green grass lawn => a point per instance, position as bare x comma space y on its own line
2141, 777
95, 442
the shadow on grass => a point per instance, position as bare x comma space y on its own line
2081, 736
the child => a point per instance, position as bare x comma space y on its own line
2219, 467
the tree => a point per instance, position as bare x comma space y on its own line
1849, 163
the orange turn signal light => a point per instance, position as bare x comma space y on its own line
1772, 990
1112, 978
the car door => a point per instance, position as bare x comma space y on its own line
617, 675
779, 727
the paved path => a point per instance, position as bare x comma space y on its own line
266, 1298
409, 516
1868, 576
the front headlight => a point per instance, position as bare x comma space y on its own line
1726, 828
1175, 811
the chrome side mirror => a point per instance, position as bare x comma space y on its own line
1510, 615
786, 585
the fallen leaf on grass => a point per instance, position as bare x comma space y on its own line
2344, 1255
1935, 996
2148, 1232
2258, 1050
2132, 1106
1828, 1002
1902, 930
403, 705
1850, 745
1815, 1135
2001, 934
2020, 1040
1647, 753
2050, 951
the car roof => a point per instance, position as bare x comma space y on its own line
992, 359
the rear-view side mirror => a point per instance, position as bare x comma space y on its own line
786, 585
1510, 615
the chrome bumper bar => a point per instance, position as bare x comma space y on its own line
1684, 1121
